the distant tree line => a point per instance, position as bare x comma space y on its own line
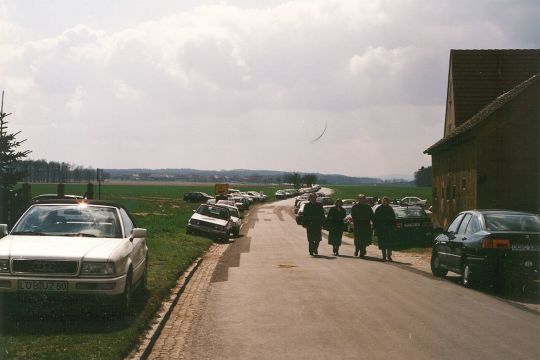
298, 180
42, 171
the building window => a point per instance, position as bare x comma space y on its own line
448, 193
454, 191
463, 184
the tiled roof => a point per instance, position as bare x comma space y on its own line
485, 112
480, 76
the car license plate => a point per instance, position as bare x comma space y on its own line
43, 285
526, 247
411, 225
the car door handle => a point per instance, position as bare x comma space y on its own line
464, 238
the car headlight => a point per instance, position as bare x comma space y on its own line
4, 265
97, 268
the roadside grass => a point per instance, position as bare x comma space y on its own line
76, 330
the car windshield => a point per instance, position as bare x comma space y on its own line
70, 220
407, 212
512, 222
217, 212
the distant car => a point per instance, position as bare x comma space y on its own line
72, 248
212, 220
324, 200
236, 216
498, 248
197, 197
413, 226
412, 200
350, 202
280, 194
297, 208
300, 213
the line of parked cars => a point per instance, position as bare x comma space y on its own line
288, 193
221, 217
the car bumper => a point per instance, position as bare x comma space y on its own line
62, 285
208, 231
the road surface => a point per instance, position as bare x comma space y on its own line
268, 299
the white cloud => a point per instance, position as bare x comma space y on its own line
255, 83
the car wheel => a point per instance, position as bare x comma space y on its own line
124, 300
144, 278
469, 278
436, 269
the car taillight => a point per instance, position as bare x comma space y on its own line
495, 244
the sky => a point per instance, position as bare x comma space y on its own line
242, 84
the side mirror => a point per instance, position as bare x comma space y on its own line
450, 235
194, 211
3, 230
138, 233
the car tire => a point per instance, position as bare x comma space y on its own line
124, 300
469, 279
436, 269
143, 285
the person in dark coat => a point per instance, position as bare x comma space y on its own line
385, 222
313, 221
362, 217
335, 223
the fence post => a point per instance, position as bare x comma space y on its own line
60, 190
89, 191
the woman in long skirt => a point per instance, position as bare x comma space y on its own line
335, 223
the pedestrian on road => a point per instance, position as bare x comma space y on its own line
385, 222
313, 222
362, 216
335, 222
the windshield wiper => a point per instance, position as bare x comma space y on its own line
79, 234
27, 232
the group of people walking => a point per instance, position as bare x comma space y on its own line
363, 218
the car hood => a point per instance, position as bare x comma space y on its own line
64, 247
209, 219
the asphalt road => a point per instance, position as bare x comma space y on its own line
270, 300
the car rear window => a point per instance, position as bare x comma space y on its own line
407, 212
511, 222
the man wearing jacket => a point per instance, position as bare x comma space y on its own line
313, 221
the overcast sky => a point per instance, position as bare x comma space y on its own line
242, 84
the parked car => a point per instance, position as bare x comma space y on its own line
212, 220
300, 213
498, 248
350, 202
236, 216
413, 226
325, 200
280, 194
197, 197
74, 248
412, 200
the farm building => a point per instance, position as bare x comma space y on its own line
489, 156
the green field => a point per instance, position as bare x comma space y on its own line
79, 334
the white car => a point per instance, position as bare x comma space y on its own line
412, 200
212, 220
236, 217
74, 247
